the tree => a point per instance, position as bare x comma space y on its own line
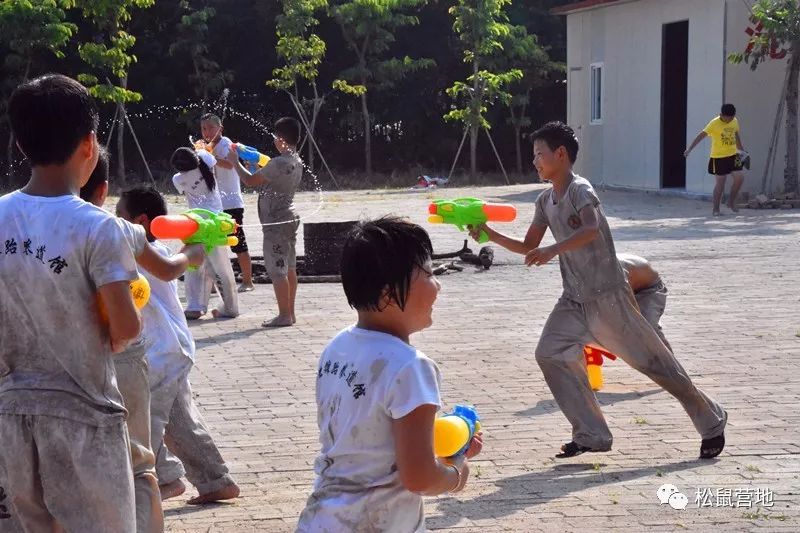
192, 34
780, 29
522, 50
368, 28
301, 51
481, 26
109, 54
30, 29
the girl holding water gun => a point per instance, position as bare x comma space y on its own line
195, 180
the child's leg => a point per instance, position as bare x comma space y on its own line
220, 266
560, 356
278, 252
187, 437
292, 276
738, 179
131, 369
198, 290
719, 190
86, 474
165, 381
22, 506
618, 326
652, 303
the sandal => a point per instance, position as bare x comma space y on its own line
711, 448
571, 449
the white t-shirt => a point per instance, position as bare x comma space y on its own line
192, 185
168, 341
230, 187
365, 380
55, 354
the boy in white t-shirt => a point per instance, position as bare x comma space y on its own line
131, 365
377, 396
196, 181
230, 191
170, 353
64, 456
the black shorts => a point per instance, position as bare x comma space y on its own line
724, 165
238, 216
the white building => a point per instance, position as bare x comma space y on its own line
645, 76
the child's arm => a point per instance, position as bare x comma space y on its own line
532, 239
739, 142
124, 321
590, 229
420, 471
700, 136
170, 268
250, 179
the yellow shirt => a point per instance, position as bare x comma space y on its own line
723, 137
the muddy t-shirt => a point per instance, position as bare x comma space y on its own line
276, 198
593, 269
365, 380
55, 356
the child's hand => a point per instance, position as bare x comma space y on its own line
195, 253
475, 445
232, 156
540, 256
475, 231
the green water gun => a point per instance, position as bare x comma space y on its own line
197, 226
470, 212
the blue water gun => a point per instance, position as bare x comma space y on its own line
250, 155
452, 432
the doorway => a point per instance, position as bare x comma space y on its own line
674, 103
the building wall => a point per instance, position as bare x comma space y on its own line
626, 148
756, 95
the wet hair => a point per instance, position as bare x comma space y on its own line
728, 110
211, 117
557, 134
50, 116
379, 257
185, 159
98, 177
143, 200
288, 129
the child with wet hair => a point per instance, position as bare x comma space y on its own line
377, 395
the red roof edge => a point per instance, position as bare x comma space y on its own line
578, 6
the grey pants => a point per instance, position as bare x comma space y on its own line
652, 302
58, 472
614, 322
131, 368
178, 430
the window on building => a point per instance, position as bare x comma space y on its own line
596, 92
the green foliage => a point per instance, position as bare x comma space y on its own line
300, 50
192, 35
369, 28
781, 29
27, 27
482, 27
114, 55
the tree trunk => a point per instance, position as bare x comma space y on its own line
519, 149
120, 174
474, 127
367, 135
790, 181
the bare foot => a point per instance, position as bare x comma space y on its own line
172, 489
278, 322
225, 493
717, 214
217, 313
733, 208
